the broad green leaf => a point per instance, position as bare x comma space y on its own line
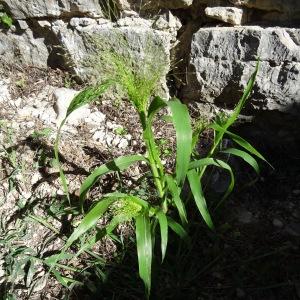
204, 162
163, 223
59, 278
245, 156
90, 220
175, 192
144, 248
183, 127
87, 96
114, 222
118, 164
53, 259
156, 105
196, 188
177, 228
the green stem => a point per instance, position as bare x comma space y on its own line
154, 159
56, 154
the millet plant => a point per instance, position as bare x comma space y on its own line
153, 218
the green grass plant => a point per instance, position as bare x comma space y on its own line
168, 211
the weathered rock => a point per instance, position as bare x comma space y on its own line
23, 48
222, 60
282, 11
176, 4
270, 5
167, 22
24, 9
4, 91
62, 98
133, 37
231, 15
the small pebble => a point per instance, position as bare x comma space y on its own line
296, 192
240, 293
277, 223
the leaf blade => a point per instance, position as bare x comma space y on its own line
245, 156
163, 223
175, 192
184, 133
118, 164
196, 188
144, 249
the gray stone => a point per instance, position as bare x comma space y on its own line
279, 10
222, 60
23, 48
24, 9
62, 98
277, 223
4, 91
175, 4
85, 46
231, 15
270, 5
245, 217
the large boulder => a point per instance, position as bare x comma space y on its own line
270, 5
27, 9
87, 45
222, 60
23, 48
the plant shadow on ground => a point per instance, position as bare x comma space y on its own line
254, 253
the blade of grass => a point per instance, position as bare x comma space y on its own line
245, 156
144, 249
163, 223
116, 165
177, 228
175, 192
196, 188
204, 162
84, 97
184, 133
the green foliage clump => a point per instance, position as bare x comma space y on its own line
139, 77
5, 19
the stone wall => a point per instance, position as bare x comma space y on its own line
210, 46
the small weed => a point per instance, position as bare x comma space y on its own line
6, 20
120, 131
44, 133
21, 83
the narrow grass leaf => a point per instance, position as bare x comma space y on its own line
244, 98
163, 223
240, 141
156, 105
53, 259
183, 127
175, 192
218, 163
196, 188
87, 96
245, 156
233, 117
177, 228
144, 249
90, 220
118, 164
59, 278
